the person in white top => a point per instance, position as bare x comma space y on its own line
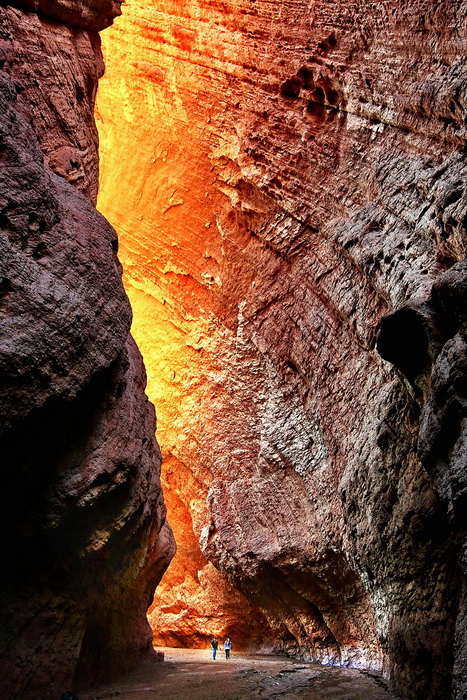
227, 647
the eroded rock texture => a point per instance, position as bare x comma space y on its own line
299, 175
438, 358
56, 68
83, 534
194, 601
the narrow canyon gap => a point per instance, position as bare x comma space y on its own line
287, 180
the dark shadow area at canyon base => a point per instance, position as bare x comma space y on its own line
191, 673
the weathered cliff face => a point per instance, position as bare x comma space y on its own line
83, 533
299, 174
436, 355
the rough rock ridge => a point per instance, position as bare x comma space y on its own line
433, 333
83, 534
300, 174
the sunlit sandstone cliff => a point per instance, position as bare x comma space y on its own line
83, 534
282, 175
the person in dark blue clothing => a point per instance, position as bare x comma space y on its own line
214, 647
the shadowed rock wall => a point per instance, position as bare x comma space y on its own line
299, 174
83, 537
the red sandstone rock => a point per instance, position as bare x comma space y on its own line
299, 174
91, 14
64, 312
56, 68
83, 535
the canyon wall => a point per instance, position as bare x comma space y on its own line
283, 176
84, 539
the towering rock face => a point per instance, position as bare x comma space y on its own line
299, 174
83, 534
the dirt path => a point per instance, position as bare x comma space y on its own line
190, 674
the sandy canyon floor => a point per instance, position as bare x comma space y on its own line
191, 674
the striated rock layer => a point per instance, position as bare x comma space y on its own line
299, 174
83, 534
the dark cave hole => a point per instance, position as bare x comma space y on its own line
403, 341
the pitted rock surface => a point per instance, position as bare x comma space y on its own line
88, 14
55, 68
64, 312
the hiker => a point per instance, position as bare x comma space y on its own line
214, 646
227, 647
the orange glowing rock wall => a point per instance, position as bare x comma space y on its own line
281, 175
